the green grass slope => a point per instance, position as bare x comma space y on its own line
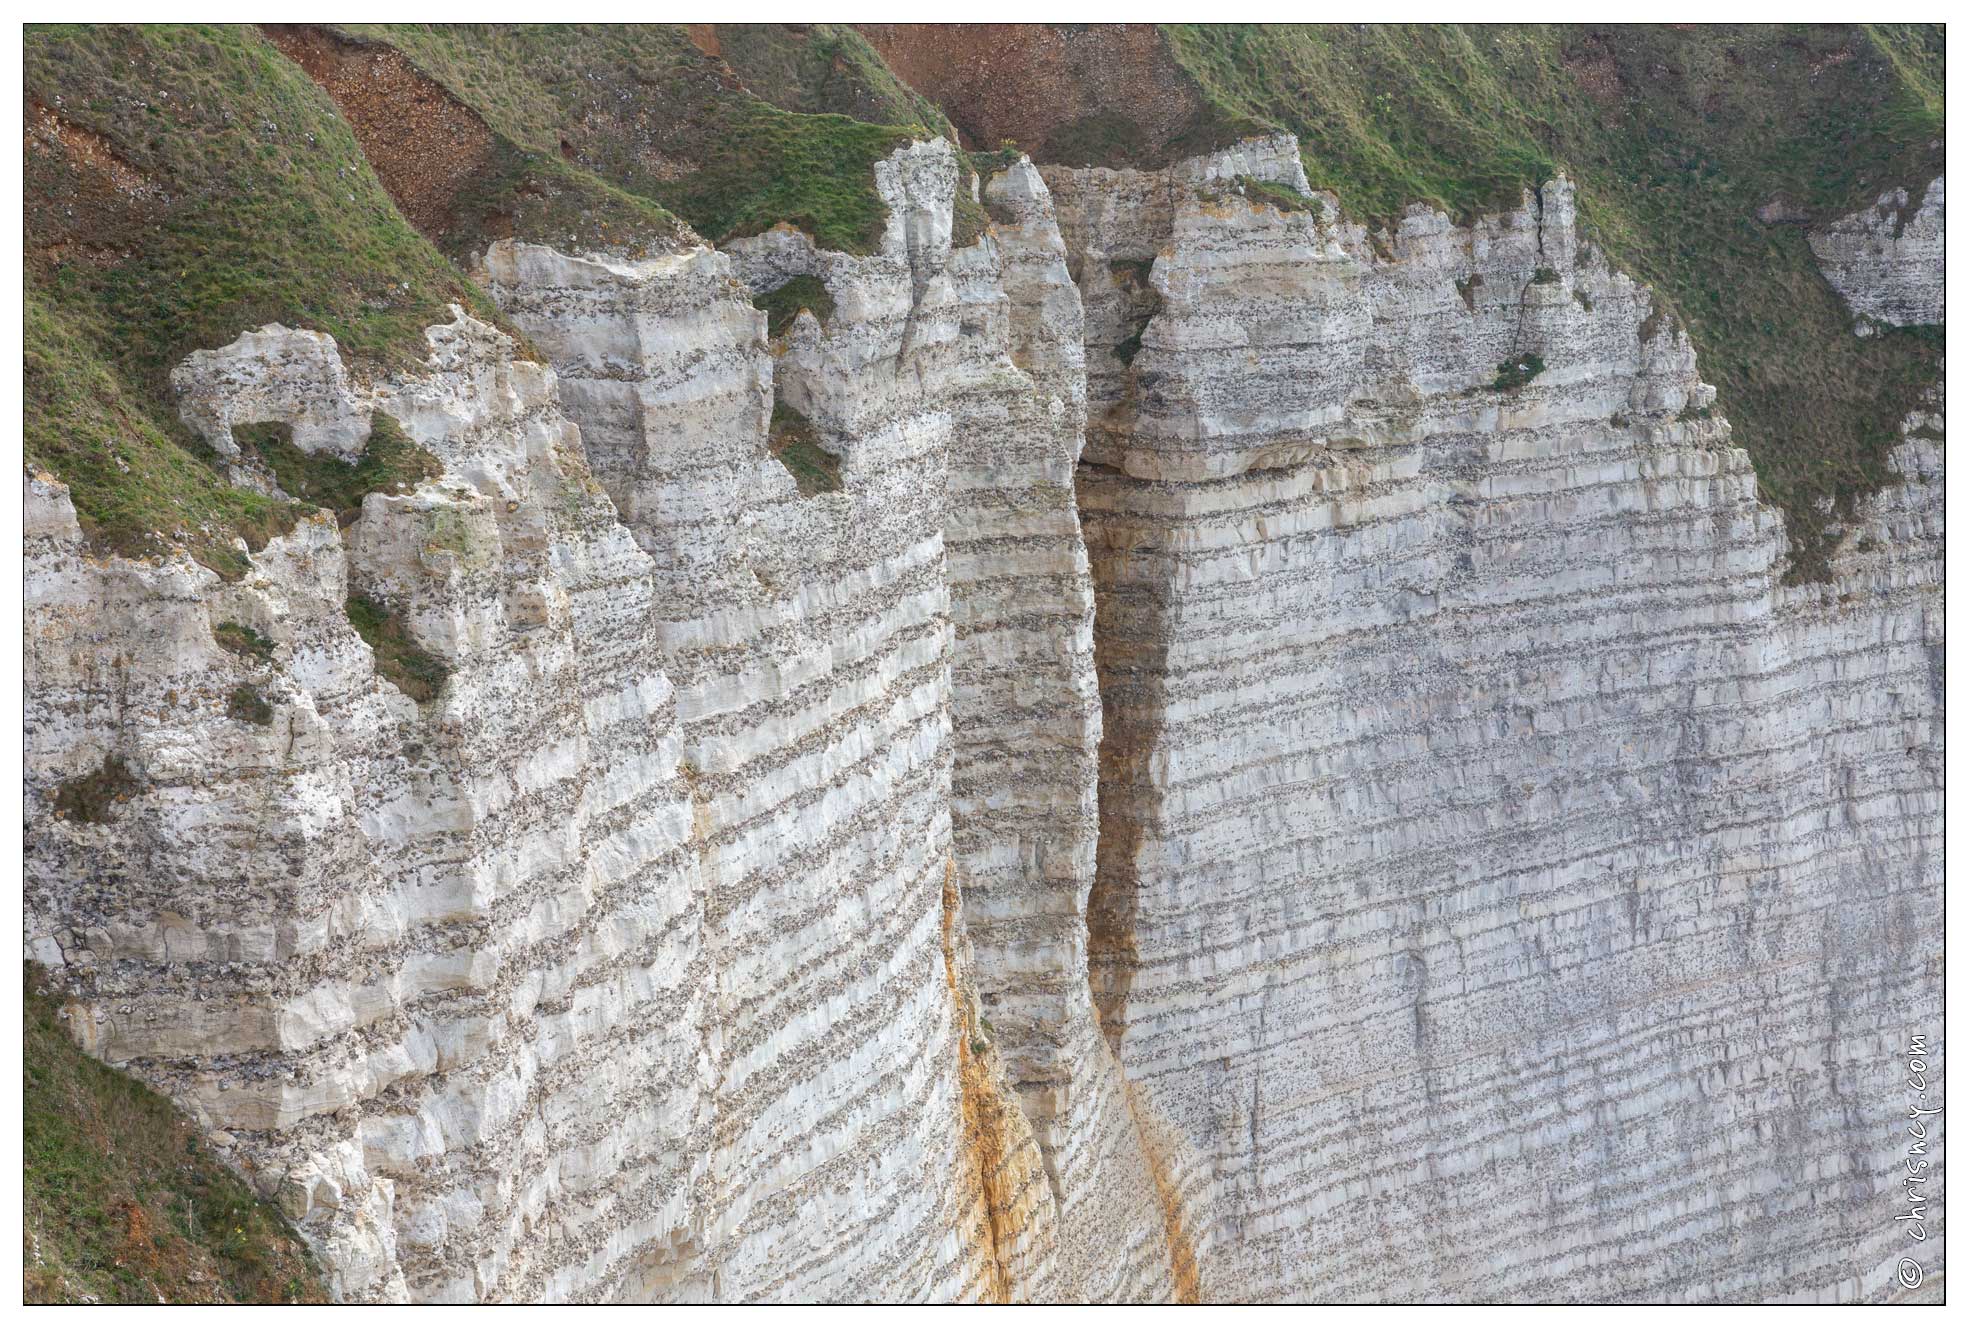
458, 181
648, 111
122, 1200
1675, 139
823, 69
187, 183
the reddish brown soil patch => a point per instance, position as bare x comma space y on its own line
1106, 90
423, 142
87, 203
704, 36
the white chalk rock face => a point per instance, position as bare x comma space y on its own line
1886, 261
936, 608
273, 375
1174, 749
1508, 888
396, 951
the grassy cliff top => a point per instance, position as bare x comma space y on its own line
655, 114
190, 182
187, 183
1675, 139
123, 1201
459, 180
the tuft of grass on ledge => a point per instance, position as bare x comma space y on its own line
1282, 197
417, 673
249, 705
796, 443
1517, 371
390, 463
243, 640
783, 303
92, 798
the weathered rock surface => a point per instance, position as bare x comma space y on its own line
273, 375
948, 383
392, 952
1475, 875
1886, 261
1507, 887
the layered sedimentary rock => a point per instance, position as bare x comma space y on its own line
1476, 874
394, 955
1886, 260
639, 956
809, 643
948, 383
1508, 888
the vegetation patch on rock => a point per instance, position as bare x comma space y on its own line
390, 463
242, 640
93, 797
1283, 197
249, 705
795, 441
1133, 277
123, 1201
1519, 370
417, 673
783, 303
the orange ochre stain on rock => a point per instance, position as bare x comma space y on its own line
980, 1132
997, 1142
1155, 1136
1002, 1152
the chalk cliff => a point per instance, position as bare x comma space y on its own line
1509, 888
1275, 761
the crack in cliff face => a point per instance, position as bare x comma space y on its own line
937, 322
1114, 903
